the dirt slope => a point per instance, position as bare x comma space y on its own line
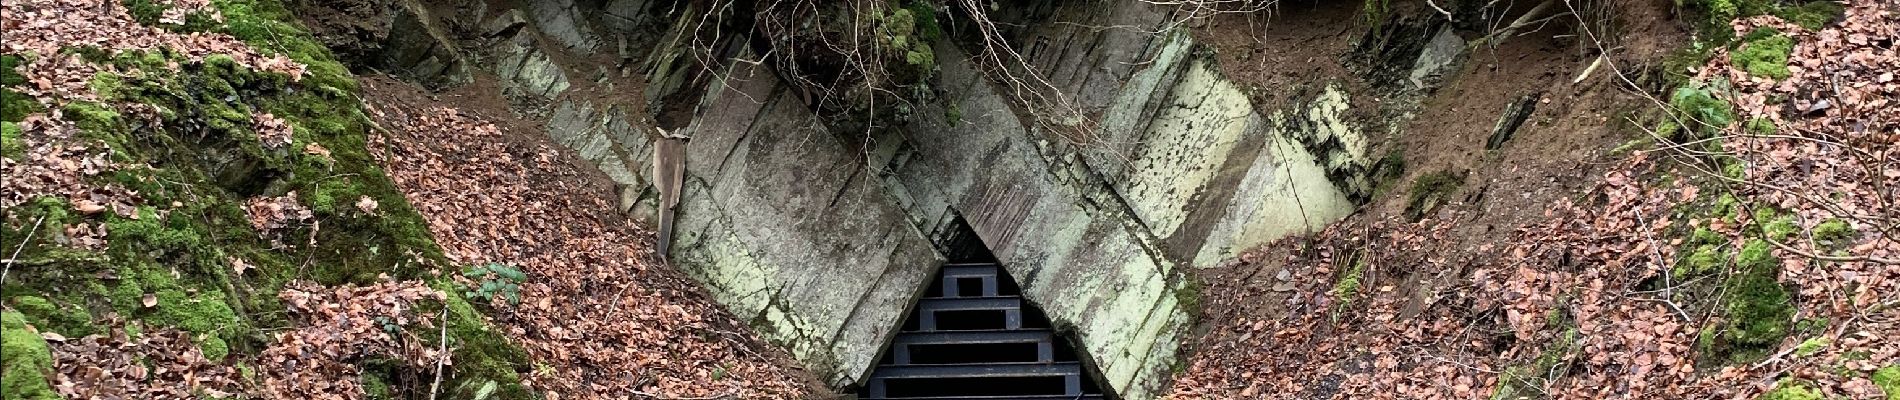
1722, 258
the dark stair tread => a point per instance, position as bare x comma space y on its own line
975, 337
993, 370
970, 303
970, 270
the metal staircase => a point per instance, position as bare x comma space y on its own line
971, 337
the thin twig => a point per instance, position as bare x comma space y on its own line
441, 355
16, 250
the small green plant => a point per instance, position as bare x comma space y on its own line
1759, 126
1702, 114
1375, 12
494, 280
1346, 291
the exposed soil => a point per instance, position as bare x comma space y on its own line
1556, 154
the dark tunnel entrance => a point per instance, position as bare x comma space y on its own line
972, 336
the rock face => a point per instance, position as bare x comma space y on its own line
822, 239
785, 226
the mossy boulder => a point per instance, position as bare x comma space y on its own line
25, 361
71, 320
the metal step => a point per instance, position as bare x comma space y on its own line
928, 308
966, 337
970, 270
969, 303
954, 276
994, 370
904, 345
1071, 374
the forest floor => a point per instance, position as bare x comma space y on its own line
1738, 242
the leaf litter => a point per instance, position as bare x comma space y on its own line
1580, 305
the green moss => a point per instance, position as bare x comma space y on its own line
1812, 15
928, 31
1705, 339
9, 72
1759, 126
25, 360
1728, 207
1835, 231
1528, 380
481, 354
1701, 112
1758, 308
207, 314
1888, 379
13, 105
11, 145
1429, 191
69, 320
375, 388
953, 114
1811, 346
1766, 57
1789, 389
1773, 224
91, 117
1679, 67
206, 157
1703, 260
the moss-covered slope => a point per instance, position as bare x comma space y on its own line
178, 206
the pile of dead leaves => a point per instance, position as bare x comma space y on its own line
42, 28
1583, 305
272, 131
55, 164
594, 308
271, 216
339, 327
160, 364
